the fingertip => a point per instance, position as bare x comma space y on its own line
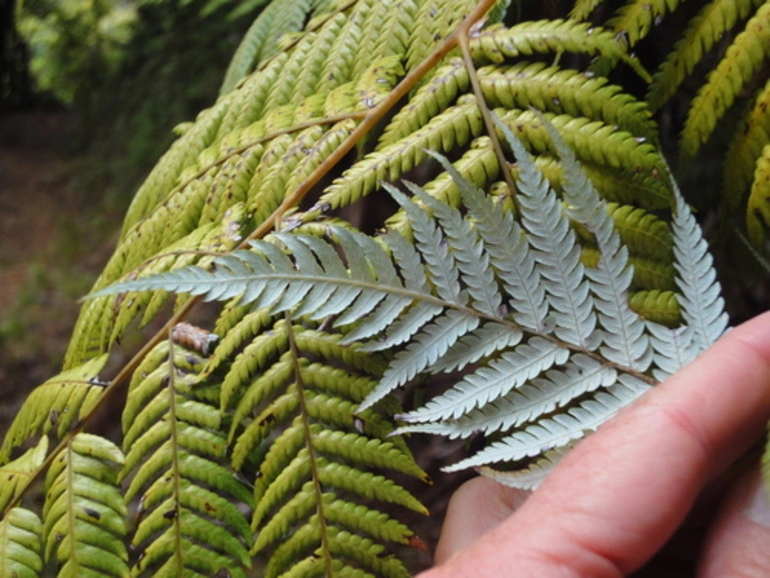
739, 542
479, 505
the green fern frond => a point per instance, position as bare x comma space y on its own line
497, 43
56, 405
642, 232
387, 31
703, 31
540, 299
758, 208
634, 21
21, 545
296, 416
661, 307
447, 83
549, 89
84, 516
175, 455
452, 127
434, 20
263, 140
261, 40
594, 142
271, 389
582, 9
16, 474
746, 148
741, 61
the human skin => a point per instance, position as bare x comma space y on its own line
620, 495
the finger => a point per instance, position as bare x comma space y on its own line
476, 507
739, 543
619, 495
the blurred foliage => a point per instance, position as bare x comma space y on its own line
75, 45
15, 83
132, 69
170, 71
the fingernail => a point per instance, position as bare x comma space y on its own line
758, 507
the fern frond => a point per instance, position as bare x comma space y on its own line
582, 9
435, 20
533, 397
570, 92
446, 84
84, 516
758, 208
261, 39
310, 278
625, 341
16, 474
593, 141
700, 299
555, 251
314, 458
387, 30
741, 61
452, 127
556, 431
21, 545
530, 477
493, 381
174, 457
56, 405
510, 258
497, 43
746, 147
661, 307
703, 31
634, 21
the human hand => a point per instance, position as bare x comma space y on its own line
619, 496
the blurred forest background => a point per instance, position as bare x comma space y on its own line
90, 91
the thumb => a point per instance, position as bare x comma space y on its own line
738, 542
479, 505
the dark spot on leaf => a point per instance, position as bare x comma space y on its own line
269, 418
170, 514
92, 513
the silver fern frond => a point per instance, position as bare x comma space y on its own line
548, 344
